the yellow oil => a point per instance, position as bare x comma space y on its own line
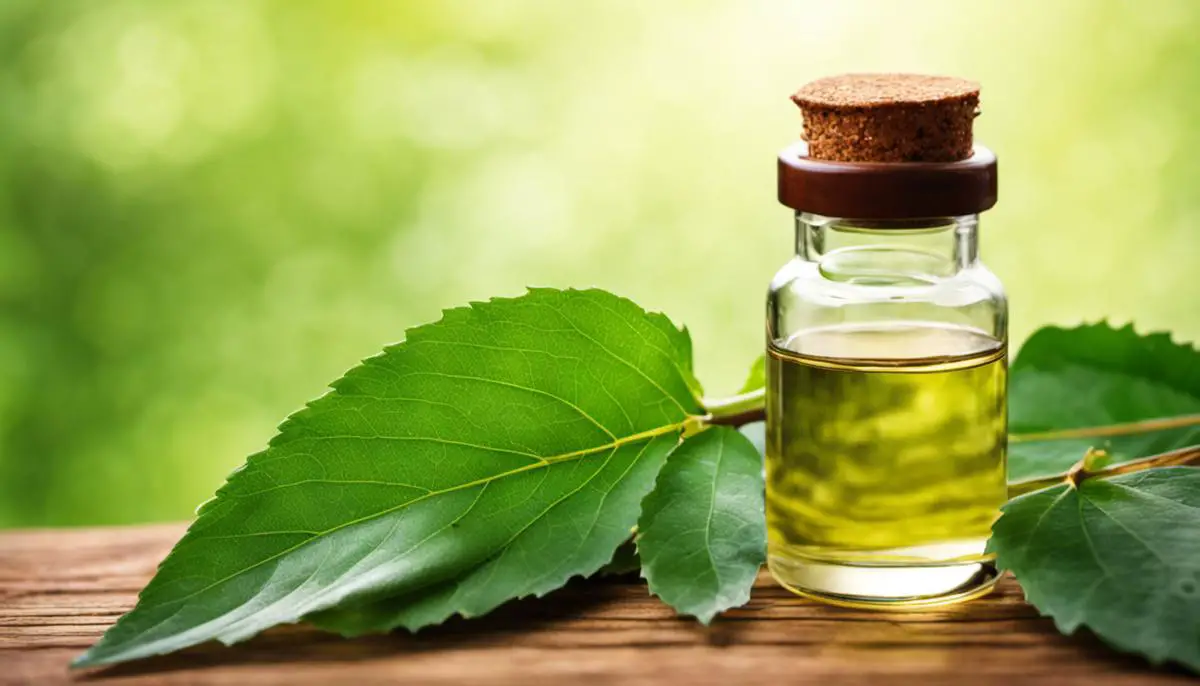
885, 462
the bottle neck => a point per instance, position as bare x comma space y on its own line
888, 250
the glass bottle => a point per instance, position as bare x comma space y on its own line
887, 375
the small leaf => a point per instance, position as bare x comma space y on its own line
1095, 376
492, 455
1120, 556
758, 375
702, 533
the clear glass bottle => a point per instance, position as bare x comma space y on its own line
887, 380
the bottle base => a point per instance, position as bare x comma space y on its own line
887, 586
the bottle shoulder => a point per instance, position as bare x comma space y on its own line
800, 278
802, 297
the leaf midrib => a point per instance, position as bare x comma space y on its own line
546, 462
1131, 428
712, 506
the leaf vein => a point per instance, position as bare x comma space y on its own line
528, 389
629, 364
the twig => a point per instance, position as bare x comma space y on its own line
1080, 472
739, 409
1143, 426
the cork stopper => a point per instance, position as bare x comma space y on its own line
889, 118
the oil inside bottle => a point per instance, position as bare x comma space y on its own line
885, 462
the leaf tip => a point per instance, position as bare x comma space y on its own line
92, 658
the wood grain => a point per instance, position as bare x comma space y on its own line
59, 590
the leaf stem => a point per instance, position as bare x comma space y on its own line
1080, 472
737, 410
1146, 425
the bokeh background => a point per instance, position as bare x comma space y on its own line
208, 210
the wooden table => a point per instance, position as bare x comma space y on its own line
59, 590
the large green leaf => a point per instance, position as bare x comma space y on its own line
1098, 376
493, 454
702, 535
1120, 556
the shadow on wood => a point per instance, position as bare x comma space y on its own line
557, 612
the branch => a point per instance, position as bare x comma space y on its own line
739, 409
1108, 430
1080, 472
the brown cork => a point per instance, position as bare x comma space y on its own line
889, 118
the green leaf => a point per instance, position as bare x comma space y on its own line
702, 536
1120, 556
1098, 376
758, 375
492, 455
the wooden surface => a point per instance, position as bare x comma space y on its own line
59, 590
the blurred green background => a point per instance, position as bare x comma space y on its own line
209, 209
